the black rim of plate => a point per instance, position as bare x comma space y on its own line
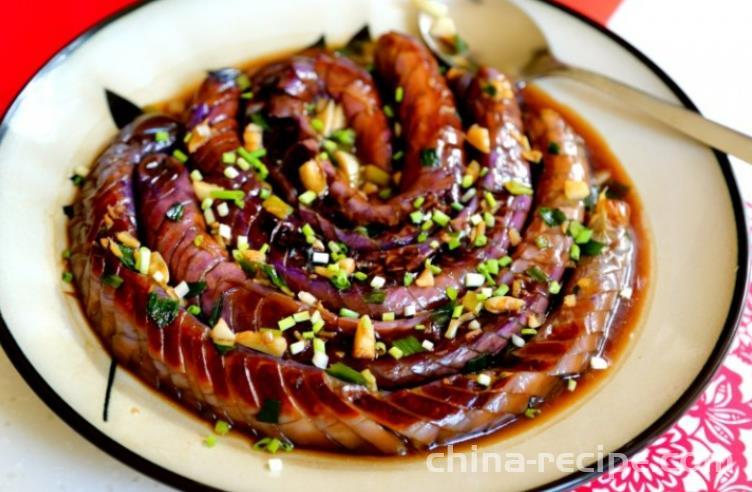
48, 395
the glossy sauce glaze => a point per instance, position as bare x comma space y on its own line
401, 408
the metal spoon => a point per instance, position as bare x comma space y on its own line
519, 48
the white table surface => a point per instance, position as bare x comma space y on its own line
701, 44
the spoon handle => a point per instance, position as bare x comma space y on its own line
684, 120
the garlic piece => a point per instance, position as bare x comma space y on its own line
479, 138
504, 304
312, 176
364, 345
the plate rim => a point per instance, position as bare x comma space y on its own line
143, 465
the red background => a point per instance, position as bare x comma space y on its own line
31, 32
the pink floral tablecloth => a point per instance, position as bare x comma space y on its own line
710, 447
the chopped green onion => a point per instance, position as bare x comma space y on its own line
319, 345
416, 217
537, 274
429, 158
592, 248
361, 276
480, 241
66, 254
67, 277
229, 157
407, 346
272, 445
317, 125
435, 269
542, 242
418, 202
574, 252
454, 242
489, 219
259, 120
269, 412
493, 266
345, 136
398, 155
502, 290
346, 373
77, 179
340, 280
175, 212
307, 198
571, 384
457, 311
113, 280
554, 287
375, 297
490, 200
583, 236
194, 309
242, 82
233, 195
307, 230
329, 146
440, 218
457, 206
161, 310
408, 279
388, 111
396, 353
399, 94
531, 413
180, 156
221, 427
286, 323
517, 188
489, 89
144, 260
161, 136
553, 148
422, 237
505, 261
389, 316
348, 313
552, 216
451, 293
478, 363
460, 46
210, 441
198, 241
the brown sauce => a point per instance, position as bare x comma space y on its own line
630, 314
628, 319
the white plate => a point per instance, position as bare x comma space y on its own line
155, 51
